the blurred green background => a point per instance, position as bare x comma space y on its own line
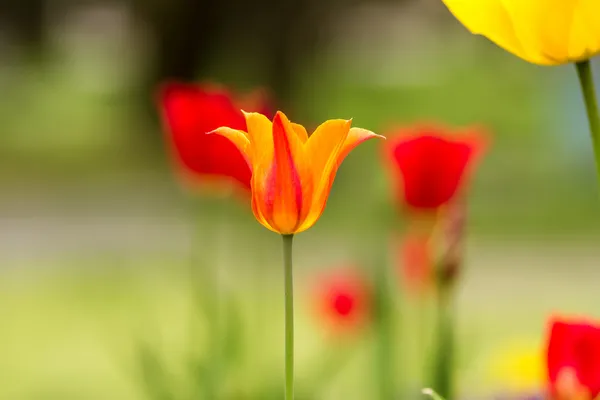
96, 236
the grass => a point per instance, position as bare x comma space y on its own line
70, 329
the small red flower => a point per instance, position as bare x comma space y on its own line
574, 359
429, 164
189, 112
343, 299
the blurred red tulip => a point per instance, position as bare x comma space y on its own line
574, 360
429, 164
189, 112
344, 299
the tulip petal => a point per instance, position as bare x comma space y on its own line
325, 143
301, 132
354, 137
542, 30
259, 131
188, 113
259, 128
257, 211
559, 31
238, 138
584, 38
283, 192
494, 20
545, 32
574, 346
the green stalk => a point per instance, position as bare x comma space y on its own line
584, 71
289, 316
385, 336
444, 355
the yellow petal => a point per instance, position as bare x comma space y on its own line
584, 38
545, 32
519, 366
542, 28
558, 30
238, 138
494, 20
301, 132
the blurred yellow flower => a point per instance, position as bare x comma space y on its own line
518, 367
545, 32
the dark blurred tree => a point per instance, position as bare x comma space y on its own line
184, 34
26, 21
188, 34
289, 30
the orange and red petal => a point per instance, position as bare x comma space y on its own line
257, 209
283, 194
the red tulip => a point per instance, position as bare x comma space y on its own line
574, 360
429, 165
343, 299
189, 112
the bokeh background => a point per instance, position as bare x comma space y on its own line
96, 236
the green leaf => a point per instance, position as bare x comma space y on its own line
155, 378
431, 393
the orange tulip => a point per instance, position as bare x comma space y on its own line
292, 174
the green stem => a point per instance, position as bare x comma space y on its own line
289, 316
584, 71
444, 355
422, 329
385, 337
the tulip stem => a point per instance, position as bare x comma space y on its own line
584, 71
385, 335
289, 316
444, 355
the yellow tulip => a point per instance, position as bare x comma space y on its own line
292, 174
545, 32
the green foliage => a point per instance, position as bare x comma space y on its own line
431, 393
